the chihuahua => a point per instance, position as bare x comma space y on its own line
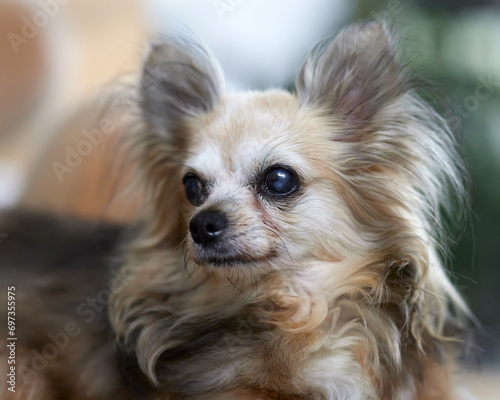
289, 245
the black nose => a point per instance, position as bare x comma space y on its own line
206, 227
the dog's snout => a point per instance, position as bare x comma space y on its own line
207, 227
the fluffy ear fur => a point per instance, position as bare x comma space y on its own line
353, 76
180, 81
400, 173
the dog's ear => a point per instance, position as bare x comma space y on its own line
353, 76
180, 81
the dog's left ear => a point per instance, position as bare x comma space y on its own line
353, 76
180, 81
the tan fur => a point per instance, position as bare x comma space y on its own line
335, 290
344, 284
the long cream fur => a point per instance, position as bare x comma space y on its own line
342, 293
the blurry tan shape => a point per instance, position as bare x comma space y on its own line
96, 186
485, 384
112, 37
21, 73
107, 39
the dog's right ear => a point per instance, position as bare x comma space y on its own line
180, 81
353, 76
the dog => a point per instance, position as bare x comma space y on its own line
289, 245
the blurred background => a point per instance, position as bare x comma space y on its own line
58, 57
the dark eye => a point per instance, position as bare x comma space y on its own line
280, 181
193, 188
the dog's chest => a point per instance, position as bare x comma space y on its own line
207, 354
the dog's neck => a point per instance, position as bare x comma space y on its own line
191, 332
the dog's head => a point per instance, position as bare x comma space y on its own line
271, 178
